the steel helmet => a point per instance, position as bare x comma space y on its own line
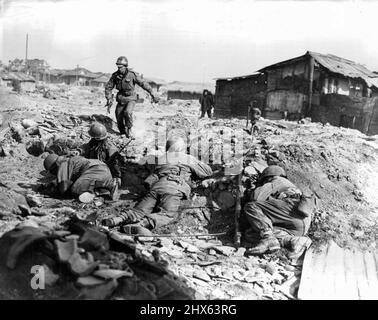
50, 160
122, 60
97, 131
272, 171
175, 144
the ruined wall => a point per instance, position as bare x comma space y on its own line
359, 113
27, 86
233, 97
292, 77
183, 95
284, 100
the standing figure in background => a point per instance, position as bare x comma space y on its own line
124, 81
207, 103
255, 115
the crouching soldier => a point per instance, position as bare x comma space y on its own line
77, 175
275, 216
100, 148
168, 185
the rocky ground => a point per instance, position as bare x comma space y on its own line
337, 164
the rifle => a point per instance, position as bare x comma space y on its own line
237, 236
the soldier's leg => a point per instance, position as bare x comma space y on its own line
168, 210
119, 114
129, 115
282, 215
209, 112
95, 177
147, 204
257, 219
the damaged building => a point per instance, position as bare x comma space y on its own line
324, 87
233, 95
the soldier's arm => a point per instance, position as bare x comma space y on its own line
109, 87
63, 178
199, 168
114, 160
143, 84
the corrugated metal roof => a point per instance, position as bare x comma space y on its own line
17, 76
334, 64
240, 77
334, 273
343, 66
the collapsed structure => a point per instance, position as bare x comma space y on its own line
326, 88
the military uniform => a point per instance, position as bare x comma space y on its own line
168, 186
207, 103
274, 206
78, 175
126, 96
104, 151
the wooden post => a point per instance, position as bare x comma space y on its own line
310, 81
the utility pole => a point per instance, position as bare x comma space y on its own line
26, 50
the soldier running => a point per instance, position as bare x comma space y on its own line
124, 81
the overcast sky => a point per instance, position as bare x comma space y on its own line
192, 40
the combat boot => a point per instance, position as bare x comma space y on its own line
140, 228
126, 216
296, 246
267, 244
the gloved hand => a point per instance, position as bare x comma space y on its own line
155, 99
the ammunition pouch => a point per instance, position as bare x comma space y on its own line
124, 97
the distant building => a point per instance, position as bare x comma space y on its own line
78, 76
324, 87
233, 95
54, 76
101, 80
27, 82
38, 68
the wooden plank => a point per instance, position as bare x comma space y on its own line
337, 273
310, 263
349, 276
371, 272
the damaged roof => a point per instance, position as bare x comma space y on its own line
102, 79
23, 77
334, 64
253, 75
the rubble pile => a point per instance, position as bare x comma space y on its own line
81, 262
